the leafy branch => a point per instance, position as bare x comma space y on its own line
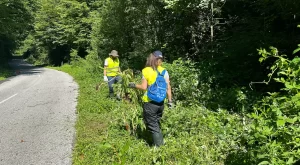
265, 55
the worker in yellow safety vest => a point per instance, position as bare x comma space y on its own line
112, 70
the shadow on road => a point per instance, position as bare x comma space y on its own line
19, 67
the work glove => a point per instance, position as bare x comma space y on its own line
131, 85
105, 79
170, 104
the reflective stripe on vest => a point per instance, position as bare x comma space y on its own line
112, 67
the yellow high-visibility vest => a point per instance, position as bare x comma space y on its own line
112, 68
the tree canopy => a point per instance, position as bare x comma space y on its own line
15, 21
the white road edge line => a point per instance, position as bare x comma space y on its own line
9, 98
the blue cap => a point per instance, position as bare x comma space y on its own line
158, 54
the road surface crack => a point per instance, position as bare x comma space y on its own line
39, 104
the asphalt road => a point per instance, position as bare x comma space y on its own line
37, 116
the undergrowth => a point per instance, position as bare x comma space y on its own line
113, 132
5, 72
193, 135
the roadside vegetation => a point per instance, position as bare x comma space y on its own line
110, 131
5, 72
234, 69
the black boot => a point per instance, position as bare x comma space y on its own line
157, 139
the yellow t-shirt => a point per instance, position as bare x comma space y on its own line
150, 75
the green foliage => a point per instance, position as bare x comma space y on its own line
274, 134
59, 27
132, 118
184, 79
193, 135
216, 75
15, 20
5, 72
125, 92
193, 86
55, 24
115, 133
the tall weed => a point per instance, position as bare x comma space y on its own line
273, 137
193, 135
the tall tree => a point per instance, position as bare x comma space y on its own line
14, 22
59, 26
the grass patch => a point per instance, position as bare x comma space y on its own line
5, 72
193, 135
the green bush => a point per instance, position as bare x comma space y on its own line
5, 72
192, 86
185, 84
273, 137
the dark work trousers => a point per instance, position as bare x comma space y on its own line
152, 113
111, 81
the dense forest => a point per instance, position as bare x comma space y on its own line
221, 36
234, 55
